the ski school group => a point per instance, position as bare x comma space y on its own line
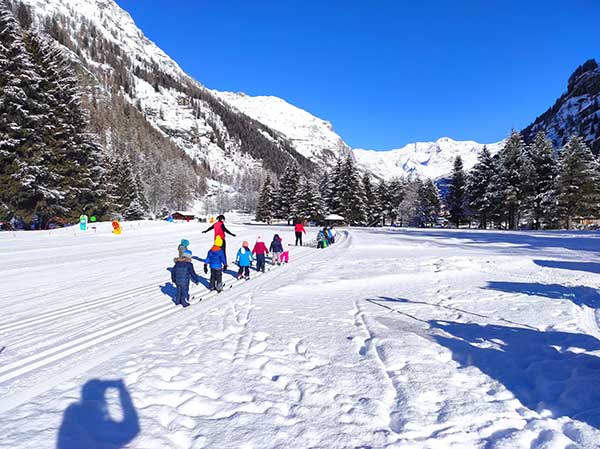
183, 272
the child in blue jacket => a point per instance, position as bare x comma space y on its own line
244, 260
181, 275
217, 261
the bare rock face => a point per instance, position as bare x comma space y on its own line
576, 112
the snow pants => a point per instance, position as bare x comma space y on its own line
276, 258
216, 277
260, 262
182, 295
285, 257
245, 271
298, 238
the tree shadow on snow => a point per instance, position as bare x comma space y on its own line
573, 240
590, 267
579, 295
88, 423
537, 367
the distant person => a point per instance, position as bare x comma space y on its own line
183, 246
299, 229
244, 260
321, 239
217, 261
276, 249
261, 251
87, 424
181, 275
220, 230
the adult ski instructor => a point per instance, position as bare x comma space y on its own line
220, 229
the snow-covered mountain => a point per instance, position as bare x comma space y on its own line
128, 75
577, 111
311, 136
425, 159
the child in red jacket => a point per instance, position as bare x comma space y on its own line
260, 250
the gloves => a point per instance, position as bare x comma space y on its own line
224, 267
204, 232
205, 269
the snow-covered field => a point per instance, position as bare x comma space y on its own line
391, 338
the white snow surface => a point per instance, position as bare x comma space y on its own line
391, 338
423, 159
311, 136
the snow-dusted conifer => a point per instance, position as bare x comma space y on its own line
481, 188
456, 198
540, 200
512, 178
264, 209
577, 182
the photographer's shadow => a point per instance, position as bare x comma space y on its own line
88, 423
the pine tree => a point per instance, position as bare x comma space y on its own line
288, 187
481, 188
513, 175
135, 211
350, 194
381, 200
397, 189
369, 191
430, 202
410, 208
457, 193
540, 200
331, 197
577, 182
264, 210
308, 201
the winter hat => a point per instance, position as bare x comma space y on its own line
245, 244
258, 239
221, 218
218, 241
185, 242
187, 254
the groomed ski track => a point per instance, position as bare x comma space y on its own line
135, 314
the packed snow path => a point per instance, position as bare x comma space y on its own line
390, 338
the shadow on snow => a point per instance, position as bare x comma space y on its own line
88, 423
590, 267
579, 295
537, 367
574, 240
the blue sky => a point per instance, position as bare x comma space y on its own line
385, 72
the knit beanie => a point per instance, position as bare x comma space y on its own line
187, 254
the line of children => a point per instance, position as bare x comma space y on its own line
216, 259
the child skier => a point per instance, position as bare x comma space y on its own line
218, 262
182, 247
321, 240
244, 260
260, 249
276, 248
181, 274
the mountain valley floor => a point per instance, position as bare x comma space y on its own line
391, 338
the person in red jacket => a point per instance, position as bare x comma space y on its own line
260, 249
299, 229
220, 230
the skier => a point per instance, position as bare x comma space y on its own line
299, 229
276, 249
181, 274
260, 249
244, 260
183, 246
217, 261
321, 240
220, 230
